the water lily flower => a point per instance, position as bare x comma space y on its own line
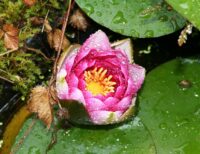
99, 78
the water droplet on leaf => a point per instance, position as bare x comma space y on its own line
149, 33
119, 18
89, 9
163, 126
135, 33
99, 14
114, 2
163, 18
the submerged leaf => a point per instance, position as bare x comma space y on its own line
39, 103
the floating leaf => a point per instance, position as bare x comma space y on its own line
147, 18
129, 138
11, 36
39, 103
167, 122
169, 106
189, 9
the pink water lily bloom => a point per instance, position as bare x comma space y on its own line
101, 78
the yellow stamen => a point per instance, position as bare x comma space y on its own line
97, 82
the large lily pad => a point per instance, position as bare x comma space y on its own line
128, 138
189, 9
147, 18
170, 106
168, 120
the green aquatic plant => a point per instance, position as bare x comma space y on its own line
20, 70
21, 66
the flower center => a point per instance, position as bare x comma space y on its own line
98, 83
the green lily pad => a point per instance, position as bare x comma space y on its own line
189, 9
147, 18
168, 120
169, 105
129, 138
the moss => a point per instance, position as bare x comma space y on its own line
26, 69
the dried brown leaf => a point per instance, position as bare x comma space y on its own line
11, 30
39, 103
1, 33
53, 93
11, 36
47, 26
184, 34
37, 21
29, 2
54, 38
79, 20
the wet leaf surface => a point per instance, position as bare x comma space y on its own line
147, 18
189, 9
129, 138
167, 122
169, 106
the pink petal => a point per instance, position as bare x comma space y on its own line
72, 80
88, 95
93, 104
124, 104
105, 117
124, 63
136, 78
69, 60
61, 84
95, 53
83, 65
120, 90
76, 94
107, 65
81, 83
98, 41
110, 103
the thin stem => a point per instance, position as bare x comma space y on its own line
5, 79
55, 69
62, 36
9, 51
44, 21
38, 52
